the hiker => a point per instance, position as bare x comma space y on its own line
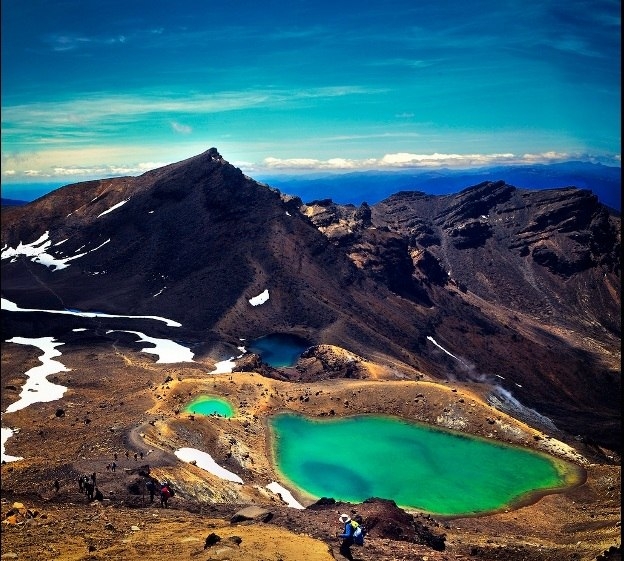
113, 466
165, 493
80, 484
135, 456
151, 487
93, 478
90, 488
85, 480
347, 537
141, 455
57, 485
99, 496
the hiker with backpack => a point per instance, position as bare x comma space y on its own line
151, 487
353, 534
165, 492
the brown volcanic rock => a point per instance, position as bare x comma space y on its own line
521, 289
134, 404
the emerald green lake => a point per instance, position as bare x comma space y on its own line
418, 466
210, 405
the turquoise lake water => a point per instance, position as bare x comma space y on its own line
279, 349
210, 405
417, 466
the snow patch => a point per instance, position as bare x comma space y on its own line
205, 461
37, 387
443, 349
168, 351
226, 366
114, 207
284, 494
5, 434
38, 252
12, 307
260, 299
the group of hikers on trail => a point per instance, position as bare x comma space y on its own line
86, 485
165, 491
113, 465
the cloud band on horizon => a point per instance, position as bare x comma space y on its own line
388, 162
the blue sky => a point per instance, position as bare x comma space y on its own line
95, 89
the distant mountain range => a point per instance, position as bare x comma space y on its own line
516, 288
372, 187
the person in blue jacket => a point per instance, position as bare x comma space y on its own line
347, 537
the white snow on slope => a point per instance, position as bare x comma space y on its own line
12, 307
38, 252
226, 366
37, 387
443, 349
205, 461
168, 351
260, 299
285, 494
113, 208
7, 433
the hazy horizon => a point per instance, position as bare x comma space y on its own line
355, 187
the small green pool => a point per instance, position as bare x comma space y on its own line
210, 405
418, 466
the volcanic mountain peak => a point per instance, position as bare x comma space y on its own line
494, 312
521, 281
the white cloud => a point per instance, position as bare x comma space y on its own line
183, 129
87, 163
314, 164
99, 110
406, 160
112, 161
75, 171
139, 168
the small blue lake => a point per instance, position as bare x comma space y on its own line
418, 466
279, 349
210, 405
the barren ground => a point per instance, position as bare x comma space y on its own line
126, 402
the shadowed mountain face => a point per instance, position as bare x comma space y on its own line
518, 289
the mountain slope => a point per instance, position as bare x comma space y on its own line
519, 289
